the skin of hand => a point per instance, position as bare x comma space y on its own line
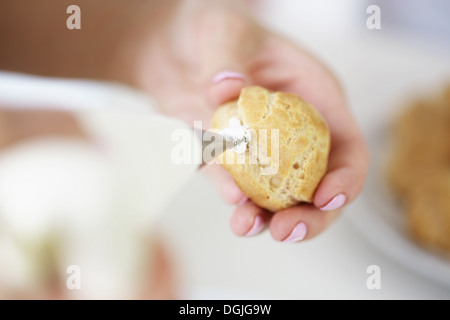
193, 56
205, 58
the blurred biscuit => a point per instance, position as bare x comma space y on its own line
419, 170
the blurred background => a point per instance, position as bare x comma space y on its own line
381, 70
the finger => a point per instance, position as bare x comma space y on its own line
248, 219
224, 65
226, 85
224, 183
300, 223
347, 170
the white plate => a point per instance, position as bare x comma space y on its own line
382, 222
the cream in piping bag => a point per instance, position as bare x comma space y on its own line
238, 133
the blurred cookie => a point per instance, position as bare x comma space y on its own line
419, 170
428, 210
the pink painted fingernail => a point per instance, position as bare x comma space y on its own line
335, 203
297, 234
258, 225
226, 74
244, 200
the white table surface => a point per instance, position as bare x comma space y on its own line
214, 264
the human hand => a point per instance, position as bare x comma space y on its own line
212, 52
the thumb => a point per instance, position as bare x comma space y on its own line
224, 86
224, 59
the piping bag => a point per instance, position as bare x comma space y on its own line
165, 150
95, 193
98, 193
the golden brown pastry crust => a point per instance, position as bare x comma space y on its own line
428, 210
304, 144
419, 170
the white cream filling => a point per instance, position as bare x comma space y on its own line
237, 132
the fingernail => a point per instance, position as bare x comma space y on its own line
244, 200
258, 225
223, 75
297, 234
335, 203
